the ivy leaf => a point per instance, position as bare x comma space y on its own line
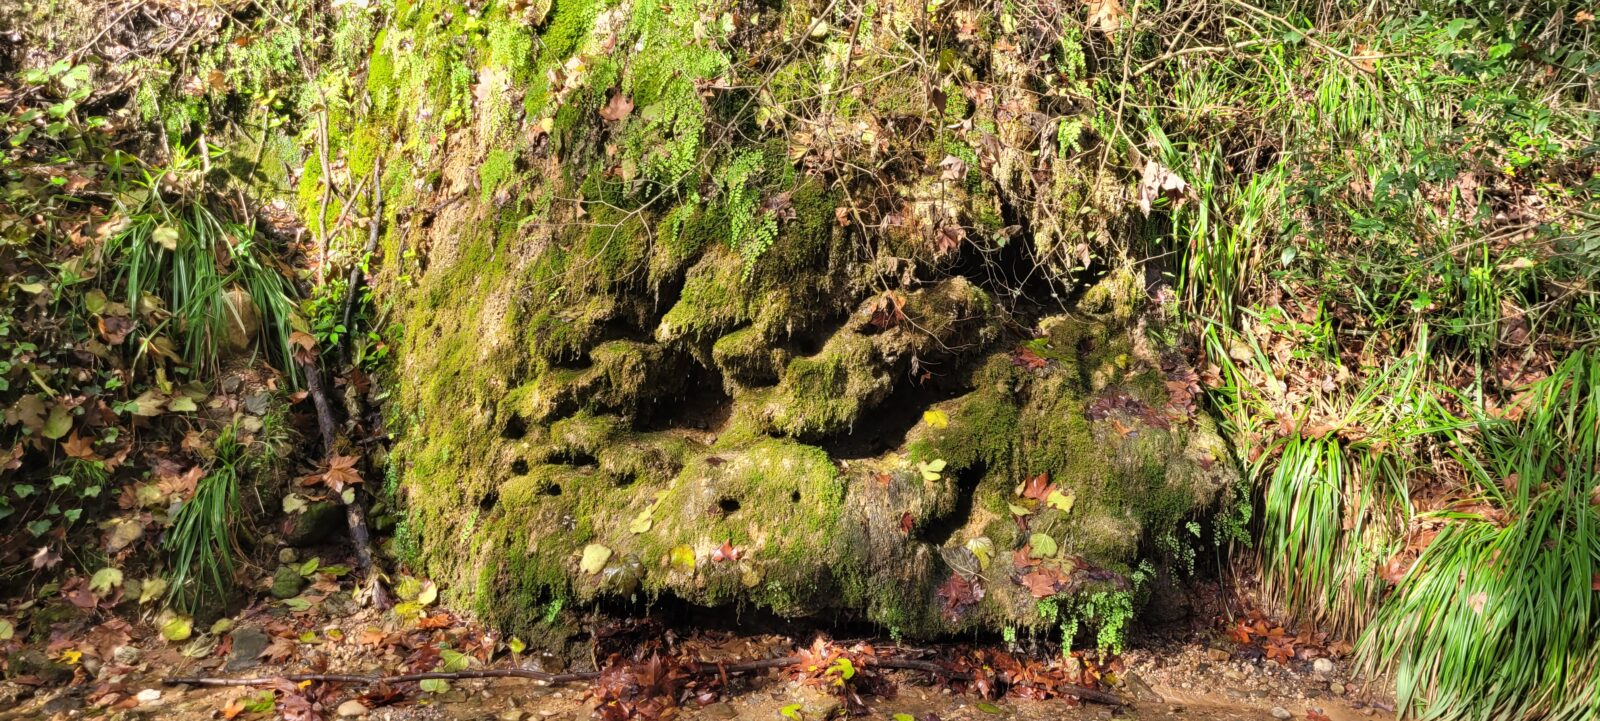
617, 108
104, 580
454, 660
931, 469
1043, 545
982, 548
1061, 501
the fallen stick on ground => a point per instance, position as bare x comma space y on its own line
1082, 693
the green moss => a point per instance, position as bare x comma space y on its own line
828, 393
499, 167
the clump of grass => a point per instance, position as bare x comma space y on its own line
203, 541
1499, 617
175, 249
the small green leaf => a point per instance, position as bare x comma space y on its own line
222, 625
1043, 546
178, 629
310, 567
182, 404
297, 604
904, 717
1017, 510
104, 580
7, 630
989, 708
57, 425
982, 548
153, 589
515, 645
792, 711
683, 558
434, 685
931, 469
454, 661
1059, 500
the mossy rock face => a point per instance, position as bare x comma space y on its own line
637, 363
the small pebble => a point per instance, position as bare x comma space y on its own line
1336, 688
148, 695
126, 655
515, 714
1279, 712
351, 709
1218, 655
1322, 665
286, 555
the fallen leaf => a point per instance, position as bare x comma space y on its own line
178, 629
1159, 181
936, 418
617, 108
1043, 545
594, 558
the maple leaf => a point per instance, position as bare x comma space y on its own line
1281, 652
372, 636
906, 522
726, 553
1037, 488
1105, 15
181, 485
1042, 582
281, 649
341, 471
78, 447
1024, 357
958, 595
1316, 715
46, 558
1240, 633
1158, 182
617, 108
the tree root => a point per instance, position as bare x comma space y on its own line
553, 679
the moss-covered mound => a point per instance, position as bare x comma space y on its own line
664, 335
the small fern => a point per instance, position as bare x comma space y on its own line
751, 229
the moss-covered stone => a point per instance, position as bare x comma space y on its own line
619, 332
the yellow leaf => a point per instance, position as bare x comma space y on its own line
1062, 501
683, 558
936, 418
594, 558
